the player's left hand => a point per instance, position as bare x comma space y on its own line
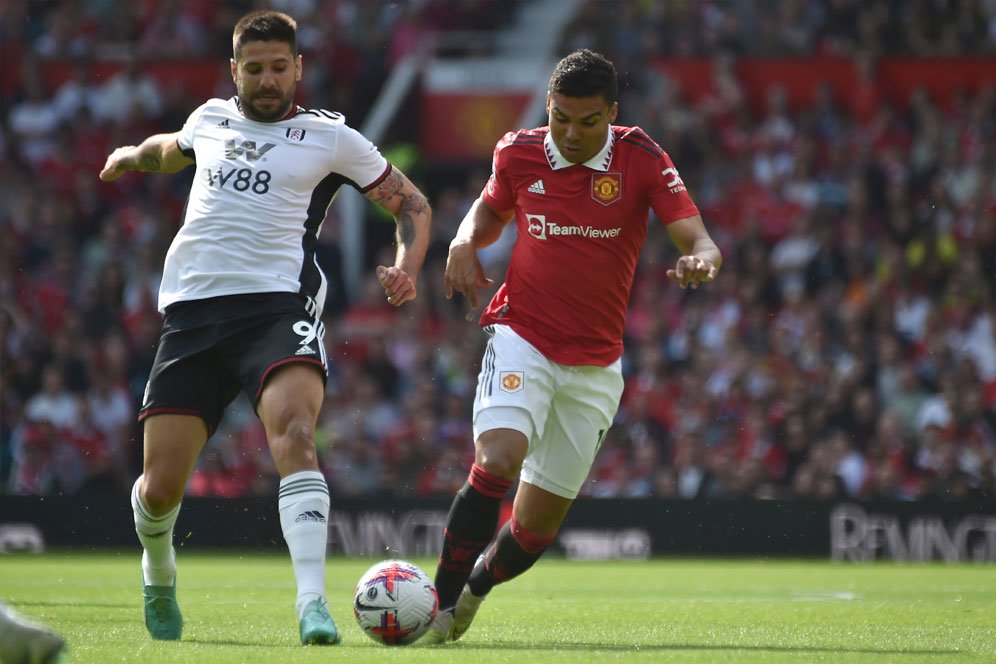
399, 287
692, 271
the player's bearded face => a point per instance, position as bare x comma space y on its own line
266, 76
579, 126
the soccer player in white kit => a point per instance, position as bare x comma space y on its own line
580, 191
242, 296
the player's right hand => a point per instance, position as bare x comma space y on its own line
115, 166
692, 271
464, 273
398, 286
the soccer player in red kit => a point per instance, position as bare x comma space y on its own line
580, 192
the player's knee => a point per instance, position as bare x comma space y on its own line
501, 452
501, 466
159, 495
500, 462
296, 443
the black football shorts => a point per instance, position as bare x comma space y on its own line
210, 349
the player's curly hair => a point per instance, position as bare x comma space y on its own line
585, 73
264, 25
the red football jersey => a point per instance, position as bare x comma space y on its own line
580, 231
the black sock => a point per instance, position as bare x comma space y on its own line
514, 551
470, 526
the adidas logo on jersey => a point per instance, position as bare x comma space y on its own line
223, 123
304, 350
537, 188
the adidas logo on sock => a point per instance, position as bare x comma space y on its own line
537, 187
310, 515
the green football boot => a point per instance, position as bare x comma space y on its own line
162, 613
317, 626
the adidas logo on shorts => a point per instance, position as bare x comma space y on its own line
537, 188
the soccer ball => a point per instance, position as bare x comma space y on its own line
395, 602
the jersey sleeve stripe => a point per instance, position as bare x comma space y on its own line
643, 146
321, 112
383, 176
639, 135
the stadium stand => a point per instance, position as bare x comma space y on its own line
847, 350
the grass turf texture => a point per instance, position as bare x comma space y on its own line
239, 608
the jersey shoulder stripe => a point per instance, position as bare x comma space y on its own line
320, 113
523, 138
638, 137
654, 152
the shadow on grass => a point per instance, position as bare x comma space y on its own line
81, 605
244, 644
679, 647
467, 648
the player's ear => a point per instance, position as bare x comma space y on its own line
299, 67
235, 71
613, 111
548, 100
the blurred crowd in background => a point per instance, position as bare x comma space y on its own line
846, 350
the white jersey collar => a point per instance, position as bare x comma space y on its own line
600, 162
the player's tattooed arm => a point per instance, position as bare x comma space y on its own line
156, 154
413, 215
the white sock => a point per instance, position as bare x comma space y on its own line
303, 503
156, 535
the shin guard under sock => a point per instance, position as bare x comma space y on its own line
470, 526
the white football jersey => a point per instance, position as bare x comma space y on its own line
259, 196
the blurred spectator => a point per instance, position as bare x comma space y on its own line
53, 403
130, 96
176, 31
79, 93
33, 120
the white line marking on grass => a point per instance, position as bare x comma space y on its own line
812, 597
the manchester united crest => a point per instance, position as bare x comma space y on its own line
606, 188
511, 381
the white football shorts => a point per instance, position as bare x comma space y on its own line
563, 411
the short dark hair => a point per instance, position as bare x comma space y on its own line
264, 25
585, 73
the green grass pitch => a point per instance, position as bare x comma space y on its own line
239, 608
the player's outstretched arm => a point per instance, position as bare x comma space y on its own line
156, 154
413, 215
480, 227
700, 258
